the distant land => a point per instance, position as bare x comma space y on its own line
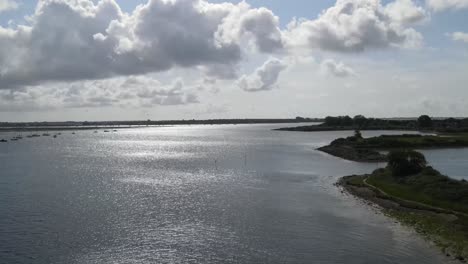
82, 125
359, 122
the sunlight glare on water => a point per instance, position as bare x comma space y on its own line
191, 194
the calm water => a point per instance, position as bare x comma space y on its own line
194, 194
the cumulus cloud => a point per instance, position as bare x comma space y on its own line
84, 39
460, 36
338, 69
264, 78
261, 26
90, 40
441, 5
406, 12
353, 26
133, 91
6, 5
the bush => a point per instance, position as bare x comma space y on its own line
424, 121
406, 162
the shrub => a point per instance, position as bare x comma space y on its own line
406, 162
424, 121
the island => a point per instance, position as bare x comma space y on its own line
357, 148
419, 196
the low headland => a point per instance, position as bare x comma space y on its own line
419, 196
423, 123
357, 148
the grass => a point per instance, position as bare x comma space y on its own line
448, 230
356, 181
413, 141
428, 187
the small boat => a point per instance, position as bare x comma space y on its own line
106, 131
55, 136
45, 135
73, 133
115, 130
3, 141
14, 139
35, 135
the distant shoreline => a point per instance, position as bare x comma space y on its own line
47, 126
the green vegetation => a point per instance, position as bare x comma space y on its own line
428, 187
413, 142
356, 148
419, 196
424, 123
406, 162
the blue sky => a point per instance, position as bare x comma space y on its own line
279, 72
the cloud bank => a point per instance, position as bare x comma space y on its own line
86, 40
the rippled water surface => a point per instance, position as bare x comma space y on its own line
194, 194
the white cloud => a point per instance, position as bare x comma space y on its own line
441, 5
406, 12
264, 78
261, 26
92, 40
130, 92
338, 69
83, 40
352, 26
6, 5
460, 36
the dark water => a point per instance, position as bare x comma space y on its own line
194, 194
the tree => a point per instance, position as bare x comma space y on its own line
406, 162
424, 121
346, 121
359, 121
357, 134
331, 121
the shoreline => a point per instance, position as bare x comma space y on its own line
433, 223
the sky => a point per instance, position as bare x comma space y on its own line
63, 60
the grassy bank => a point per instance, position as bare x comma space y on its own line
428, 187
435, 205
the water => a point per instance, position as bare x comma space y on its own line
192, 194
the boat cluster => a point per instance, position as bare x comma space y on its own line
106, 131
19, 137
